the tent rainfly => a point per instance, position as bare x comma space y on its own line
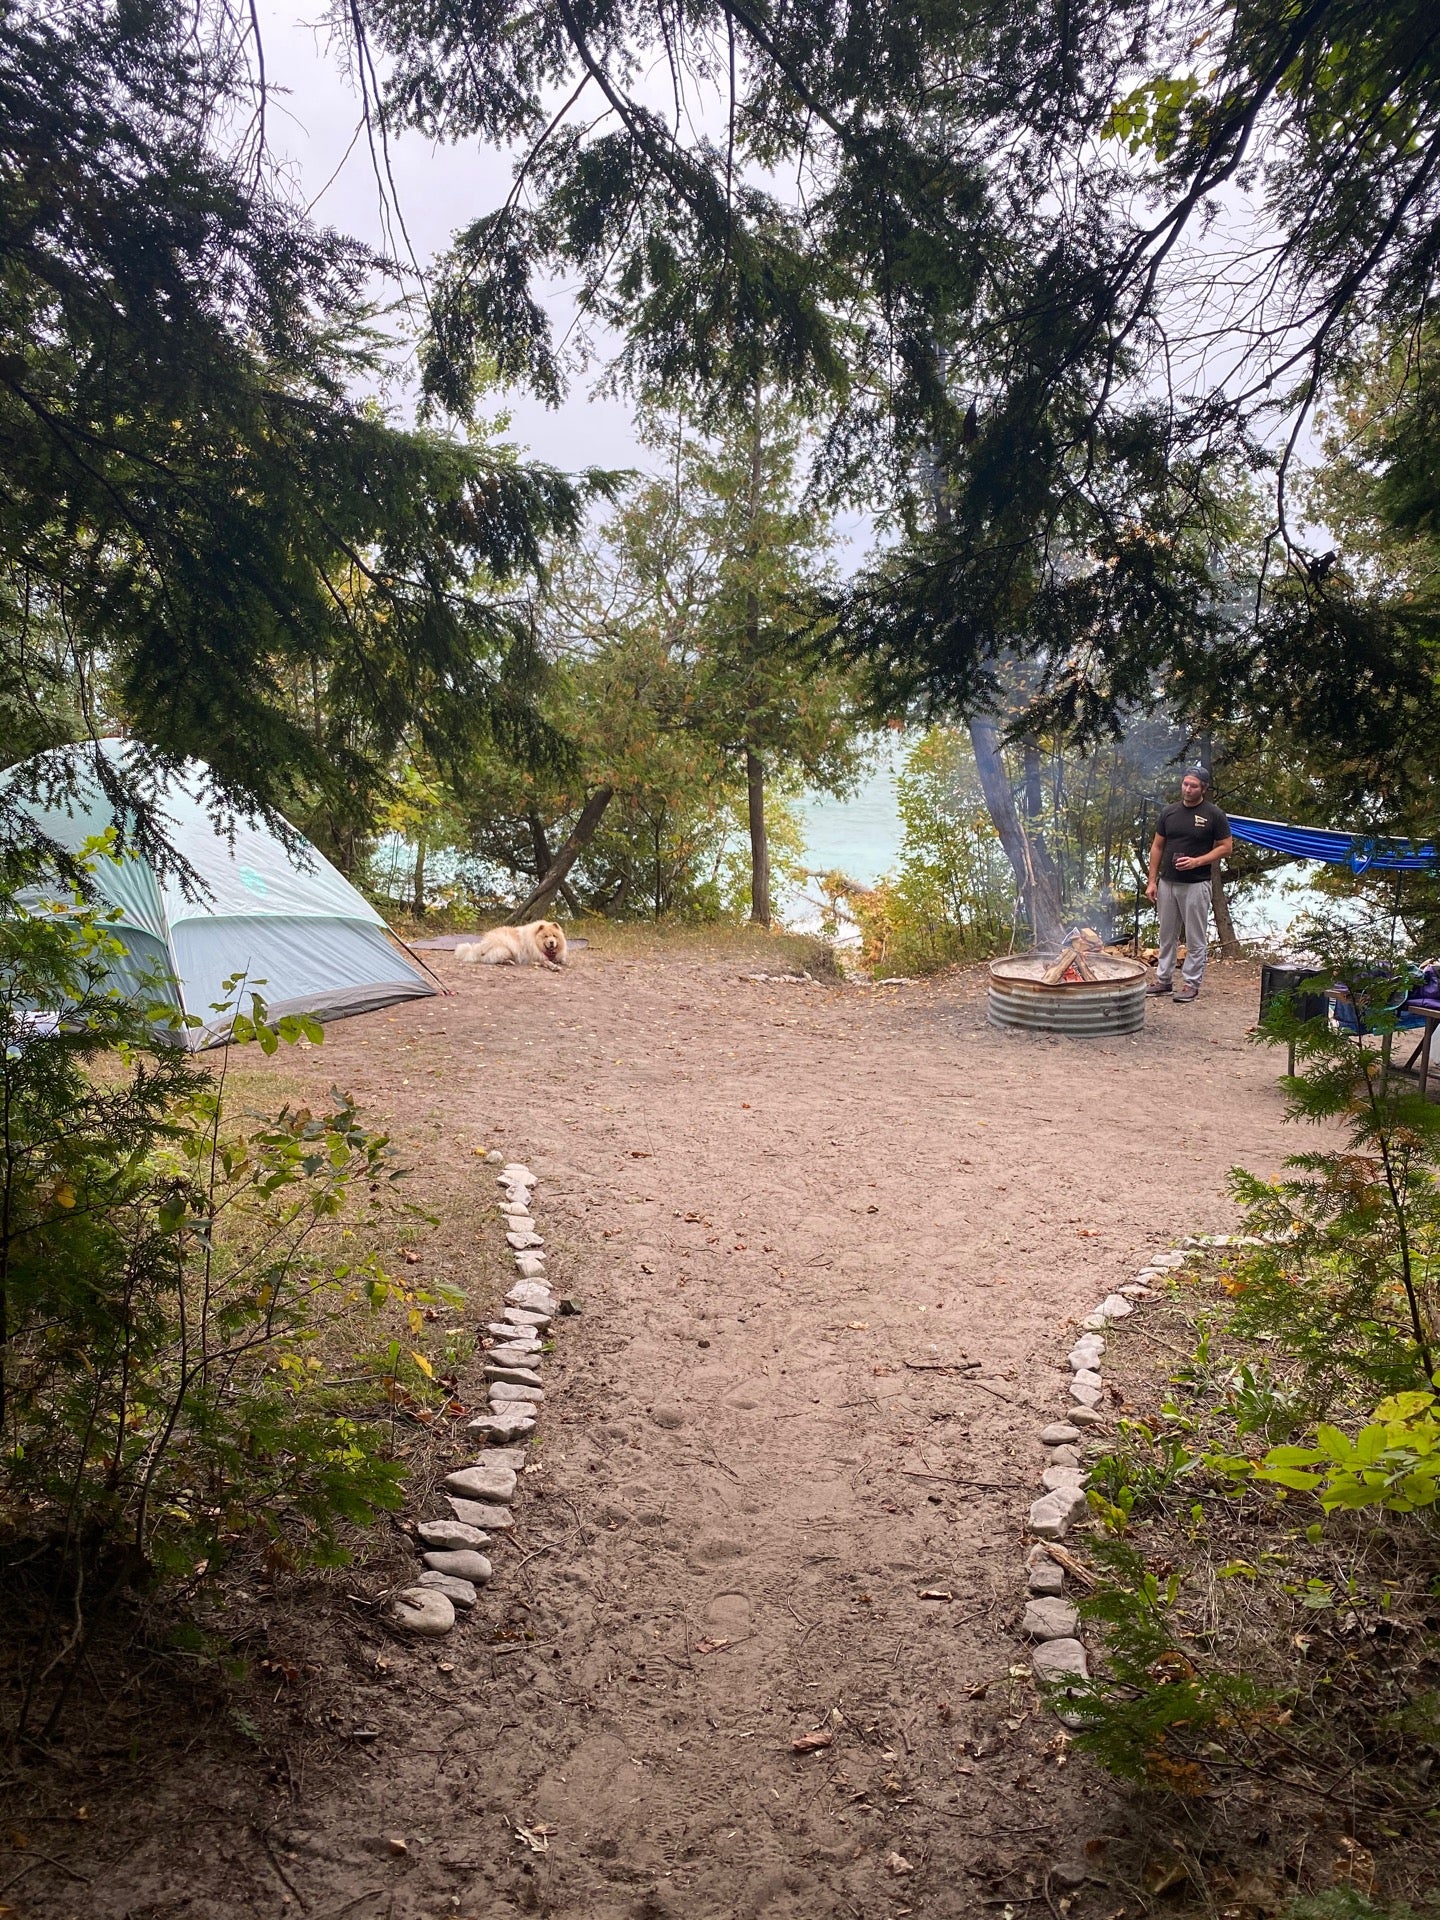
306, 941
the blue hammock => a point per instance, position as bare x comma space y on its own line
1356, 851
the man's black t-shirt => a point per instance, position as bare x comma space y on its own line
1192, 831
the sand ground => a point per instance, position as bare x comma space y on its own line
786, 1211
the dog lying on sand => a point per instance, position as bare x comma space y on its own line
541, 944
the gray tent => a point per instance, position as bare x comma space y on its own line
287, 920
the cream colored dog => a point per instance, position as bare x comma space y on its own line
541, 944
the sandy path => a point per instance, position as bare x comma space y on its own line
779, 1206
771, 1201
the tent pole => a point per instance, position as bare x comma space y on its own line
447, 993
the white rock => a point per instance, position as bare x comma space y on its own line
1065, 1456
1170, 1260
1087, 1416
480, 1516
511, 1355
428, 1615
506, 1391
1052, 1513
515, 1376
482, 1482
494, 1158
1137, 1290
499, 1429
1116, 1307
1059, 1660
1053, 1479
530, 1266
1086, 1378
508, 1333
1084, 1397
1049, 1619
526, 1317
450, 1533
1047, 1576
461, 1564
1058, 1434
1095, 1320
460, 1593
524, 1242
532, 1294
1086, 1352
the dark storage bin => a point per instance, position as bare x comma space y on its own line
1277, 980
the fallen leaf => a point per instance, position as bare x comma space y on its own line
811, 1742
710, 1646
936, 1593
636, 1153
397, 1845
536, 1838
897, 1864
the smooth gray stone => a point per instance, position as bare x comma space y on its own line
516, 1353
460, 1593
526, 1317
1046, 1576
1054, 1478
428, 1615
514, 1376
1087, 1416
482, 1516
1085, 1397
1060, 1660
518, 1223
1052, 1513
511, 1207
517, 1170
1168, 1260
1086, 1353
498, 1429
450, 1533
504, 1335
533, 1294
1087, 1377
461, 1564
1116, 1307
1049, 1619
531, 1266
505, 1391
525, 1241
482, 1482
1058, 1434
516, 1458
1065, 1456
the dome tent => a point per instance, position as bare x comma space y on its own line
285, 918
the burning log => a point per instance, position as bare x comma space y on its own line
1072, 963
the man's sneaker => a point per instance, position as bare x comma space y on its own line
1156, 988
1186, 993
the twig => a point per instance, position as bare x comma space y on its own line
265, 1842
370, 1893
1064, 1558
958, 1480
34, 1854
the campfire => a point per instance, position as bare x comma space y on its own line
1075, 960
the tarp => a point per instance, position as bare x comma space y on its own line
1353, 850
306, 941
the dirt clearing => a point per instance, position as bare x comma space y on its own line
768, 1508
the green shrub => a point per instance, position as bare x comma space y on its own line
166, 1283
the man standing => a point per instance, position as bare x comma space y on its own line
1190, 837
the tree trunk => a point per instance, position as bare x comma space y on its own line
1039, 897
417, 884
539, 846
1224, 925
759, 841
580, 836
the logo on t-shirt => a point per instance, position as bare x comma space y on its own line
1201, 821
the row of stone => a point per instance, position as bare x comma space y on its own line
480, 1496
1049, 1619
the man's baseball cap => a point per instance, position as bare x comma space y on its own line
1197, 773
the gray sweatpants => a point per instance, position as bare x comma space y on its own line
1184, 908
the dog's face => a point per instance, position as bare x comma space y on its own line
551, 939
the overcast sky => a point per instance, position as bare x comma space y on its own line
312, 125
